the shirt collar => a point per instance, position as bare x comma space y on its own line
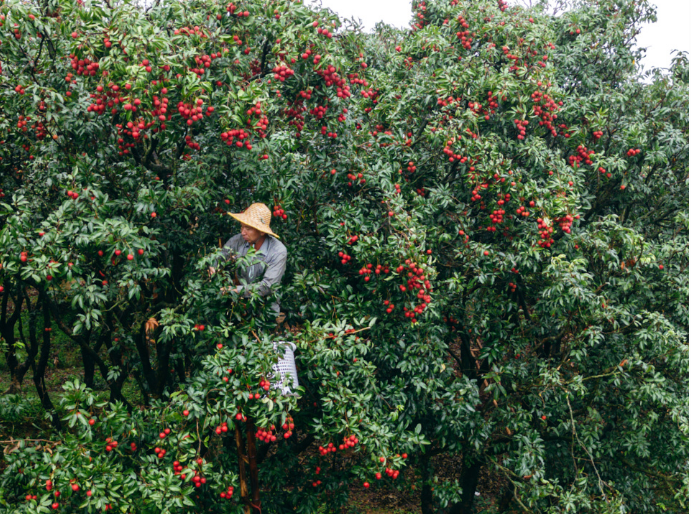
265, 245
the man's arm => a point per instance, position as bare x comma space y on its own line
227, 252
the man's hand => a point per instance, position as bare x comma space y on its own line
225, 290
211, 271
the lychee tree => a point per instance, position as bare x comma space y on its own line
486, 217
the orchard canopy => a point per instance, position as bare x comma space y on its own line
486, 218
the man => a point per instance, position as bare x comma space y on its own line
270, 261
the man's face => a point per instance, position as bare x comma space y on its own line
250, 234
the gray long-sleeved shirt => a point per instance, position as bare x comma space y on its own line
267, 269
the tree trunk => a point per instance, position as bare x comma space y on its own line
148, 373
254, 470
469, 479
15, 386
426, 497
40, 369
7, 330
142, 388
89, 367
506, 498
180, 369
244, 493
163, 365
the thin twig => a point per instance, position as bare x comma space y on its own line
575, 434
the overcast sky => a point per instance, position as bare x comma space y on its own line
671, 32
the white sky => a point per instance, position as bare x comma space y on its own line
671, 32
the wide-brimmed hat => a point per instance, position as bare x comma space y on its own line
256, 216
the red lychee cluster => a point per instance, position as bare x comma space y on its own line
328, 134
279, 212
545, 233
205, 62
263, 122
416, 279
22, 121
319, 111
496, 218
369, 93
545, 108
132, 129
265, 384
520, 126
522, 211
464, 35
222, 428
355, 79
565, 223
111, 444
267, 435
390, 472
198, 480
332, 79
321, 31
353, 178
282, 72
288, 426
83, 66
294, 115
191, 144
348, 442
448, 150
369, 269
230, 136
345, 258
192, 112
190, 31
228, 494
582, 156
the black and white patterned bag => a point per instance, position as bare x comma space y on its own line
285, 375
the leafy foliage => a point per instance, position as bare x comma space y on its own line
487, 225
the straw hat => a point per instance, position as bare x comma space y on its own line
256, 216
